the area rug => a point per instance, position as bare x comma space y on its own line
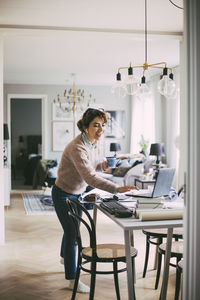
38, 204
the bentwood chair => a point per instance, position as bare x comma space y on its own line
176, 251
155, 237
95, 254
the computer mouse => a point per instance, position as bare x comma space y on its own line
115, 197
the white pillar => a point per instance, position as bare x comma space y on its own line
191, 274
2, 217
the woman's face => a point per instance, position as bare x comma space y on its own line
96, 129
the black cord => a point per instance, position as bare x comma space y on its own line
175, 4
145, 31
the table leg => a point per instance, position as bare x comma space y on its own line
132, 244
163, 293
130, 273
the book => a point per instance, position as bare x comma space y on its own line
149, 205
150, 200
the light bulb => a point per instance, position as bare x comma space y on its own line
118, 90
166, 86
143, 90
131, 85
118, 87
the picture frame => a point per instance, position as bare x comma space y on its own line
60, 114
115, 127
62, 134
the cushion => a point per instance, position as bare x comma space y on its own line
121, 172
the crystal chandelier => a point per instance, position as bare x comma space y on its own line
132, 85
73, 99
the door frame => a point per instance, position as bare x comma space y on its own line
43, 98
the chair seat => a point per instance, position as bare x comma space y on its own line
163, 232
180, 264
109, 251
176, 249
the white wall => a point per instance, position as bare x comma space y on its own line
2, 224
101, 93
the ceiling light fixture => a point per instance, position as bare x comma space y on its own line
73, 99
132, 86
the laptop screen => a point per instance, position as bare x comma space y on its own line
163, 182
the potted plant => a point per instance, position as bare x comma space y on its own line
143, 145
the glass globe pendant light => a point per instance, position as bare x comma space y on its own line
166, 86
144, 90
118, 88
131, 83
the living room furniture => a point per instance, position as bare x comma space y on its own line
128, 168
95, 254
143, 183
158, 150
155, 237
176, 251
131, 224
114, 147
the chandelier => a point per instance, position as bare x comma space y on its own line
73, 99
132, 85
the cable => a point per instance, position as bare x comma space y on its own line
175, 4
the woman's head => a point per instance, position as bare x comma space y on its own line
93, 123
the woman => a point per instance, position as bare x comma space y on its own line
79, 168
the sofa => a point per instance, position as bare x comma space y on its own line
128, 168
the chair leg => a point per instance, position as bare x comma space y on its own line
93, 279
158, 270
116, 280
78, 270
146, 256
178, 280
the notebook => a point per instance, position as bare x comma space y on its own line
162, 185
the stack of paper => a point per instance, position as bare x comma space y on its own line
151, 203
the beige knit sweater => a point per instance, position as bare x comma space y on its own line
79, 167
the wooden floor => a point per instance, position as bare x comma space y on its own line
30, 267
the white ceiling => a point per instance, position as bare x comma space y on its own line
45, 41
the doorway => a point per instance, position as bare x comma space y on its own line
26, 123
26, 138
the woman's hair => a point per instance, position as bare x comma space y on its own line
89, 115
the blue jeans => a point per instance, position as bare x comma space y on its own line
68, 245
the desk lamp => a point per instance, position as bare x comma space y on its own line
115, 147
158, 150
5, 137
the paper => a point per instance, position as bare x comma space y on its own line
101, 193
159, 214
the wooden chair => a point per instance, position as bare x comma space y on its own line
94, 254
176, 251
155, 237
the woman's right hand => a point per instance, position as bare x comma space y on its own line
123, 189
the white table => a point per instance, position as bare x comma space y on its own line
131, 224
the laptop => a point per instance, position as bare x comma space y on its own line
162, 185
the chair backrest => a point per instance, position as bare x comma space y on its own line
85, 219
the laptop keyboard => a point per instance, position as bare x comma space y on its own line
117, 209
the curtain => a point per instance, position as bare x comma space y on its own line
143, 121
157, 118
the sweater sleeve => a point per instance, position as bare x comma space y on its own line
83, 165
